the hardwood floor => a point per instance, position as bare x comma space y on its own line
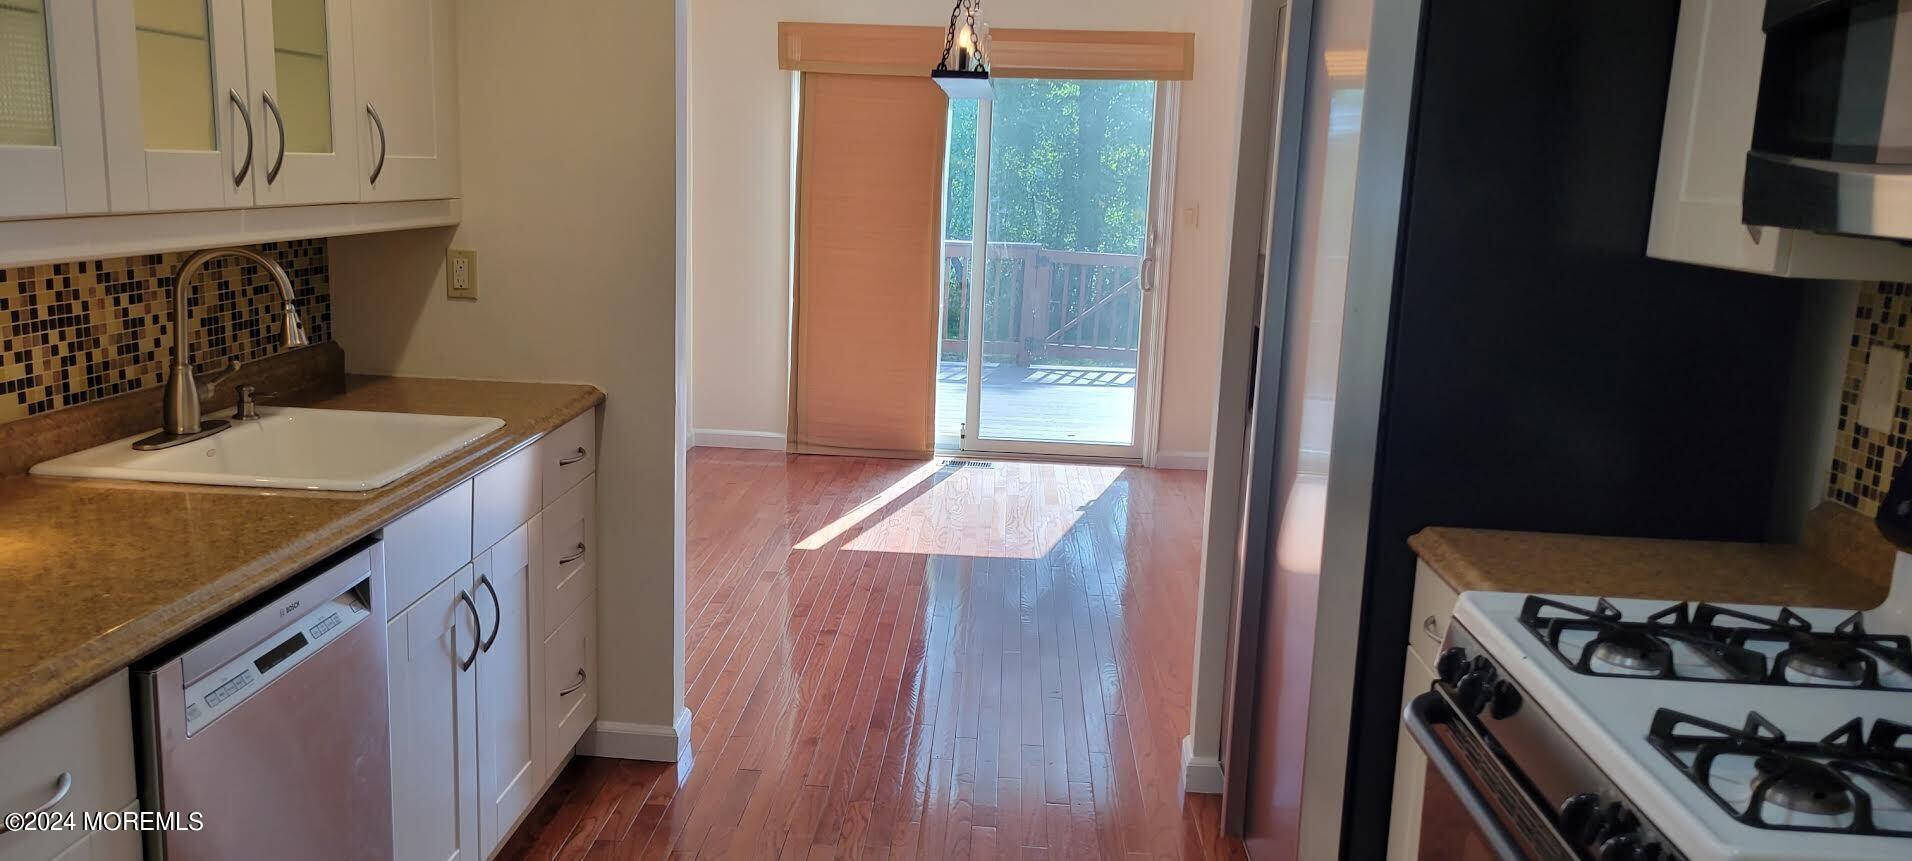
918, 660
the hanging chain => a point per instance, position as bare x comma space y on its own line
965, 10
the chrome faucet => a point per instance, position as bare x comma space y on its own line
182, 421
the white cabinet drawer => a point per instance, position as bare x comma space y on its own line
1433, 606
84, 744
504, 497
566, 567
569, 454
426, 546
570, 681
121, 845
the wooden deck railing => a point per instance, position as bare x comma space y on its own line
1041, 303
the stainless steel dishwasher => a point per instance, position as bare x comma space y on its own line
272, 725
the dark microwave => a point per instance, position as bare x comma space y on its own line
1832, 131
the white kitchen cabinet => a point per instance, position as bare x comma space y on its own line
509, 734
407, 92
178, 105
434, 726
477, 727
1410, 770
570, 682
1709, 127
299, 63
564, 569
121, 845
76, 757
1433, 609
52, 156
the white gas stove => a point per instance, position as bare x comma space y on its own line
1580, 728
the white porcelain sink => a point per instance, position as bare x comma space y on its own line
288, 447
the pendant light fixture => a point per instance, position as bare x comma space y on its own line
963, 72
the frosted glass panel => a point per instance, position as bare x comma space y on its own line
26, 89
305, 87
175, 74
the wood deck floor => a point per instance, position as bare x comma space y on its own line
1042, 403
918, 660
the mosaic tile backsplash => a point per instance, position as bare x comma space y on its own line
1863, 457
88, 329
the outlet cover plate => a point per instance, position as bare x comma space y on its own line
461, 274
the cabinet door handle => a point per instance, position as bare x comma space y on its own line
380, 125
1431, 625
567, 461
64, 785
278, 119
575, 556
497, 613
574, 688
245, 113
477, 627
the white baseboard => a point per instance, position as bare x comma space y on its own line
645, 741
1200, 775
1181, 460
719, 438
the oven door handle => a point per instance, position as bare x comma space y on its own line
1422, 713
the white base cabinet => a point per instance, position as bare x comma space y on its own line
491, 689
75, 758
1433, 608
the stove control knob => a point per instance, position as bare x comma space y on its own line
1474, 691
1451, 665
1579, 817
1647, 852
1618, 821
1506, 700
1625, 847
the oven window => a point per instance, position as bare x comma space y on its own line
1837, 83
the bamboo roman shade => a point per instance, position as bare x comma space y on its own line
869, 205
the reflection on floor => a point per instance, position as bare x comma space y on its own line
1041, 402
918, 660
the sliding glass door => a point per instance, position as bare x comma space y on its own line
1047, 352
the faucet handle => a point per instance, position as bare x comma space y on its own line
207, 388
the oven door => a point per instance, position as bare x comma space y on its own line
1477, 805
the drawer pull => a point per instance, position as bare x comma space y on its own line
575, 556
567, 461
60, 788
574, 688
1432, 626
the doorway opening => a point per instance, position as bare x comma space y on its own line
1048, 352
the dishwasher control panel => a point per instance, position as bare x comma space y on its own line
224, 688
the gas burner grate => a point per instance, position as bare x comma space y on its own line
1724, 640
1849, 782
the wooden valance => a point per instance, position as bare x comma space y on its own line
878, 49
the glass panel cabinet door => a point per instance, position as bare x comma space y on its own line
179, 135
298, 59
52, 161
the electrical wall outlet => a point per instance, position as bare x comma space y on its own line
461, 274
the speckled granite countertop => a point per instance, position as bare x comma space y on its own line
1498, 561
96, 574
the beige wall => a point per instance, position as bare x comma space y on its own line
740, 151
568, 141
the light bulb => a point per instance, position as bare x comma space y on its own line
964, 40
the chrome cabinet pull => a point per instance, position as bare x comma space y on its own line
380, 125
1431, 626
245, 113
278, 119
574, 688
497, 613
477, 626
574, 556
64, 785
567, 461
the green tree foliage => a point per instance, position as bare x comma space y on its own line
1069, 164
